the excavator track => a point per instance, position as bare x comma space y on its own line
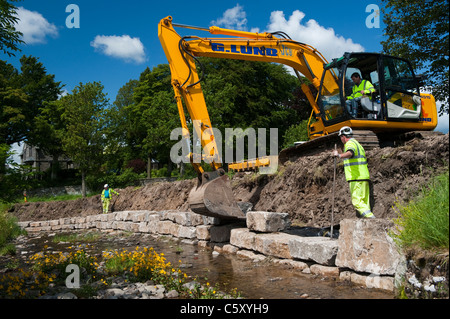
368, 139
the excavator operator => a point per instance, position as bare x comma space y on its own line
361, 87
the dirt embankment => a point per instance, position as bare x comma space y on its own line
303, 188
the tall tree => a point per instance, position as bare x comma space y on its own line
419, 31
84, 115
12, 103
9, 36
119, 151
48, 129
243, 94
154, 114
22, 95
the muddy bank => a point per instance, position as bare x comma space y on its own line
302, 188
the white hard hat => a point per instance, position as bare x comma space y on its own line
106, 186
346, 130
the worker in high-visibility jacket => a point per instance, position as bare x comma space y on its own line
356, 172
106, 197
361, 88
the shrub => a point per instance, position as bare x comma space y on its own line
424, 222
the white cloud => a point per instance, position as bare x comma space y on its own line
234, 18
310, 32
34, 26
121, 47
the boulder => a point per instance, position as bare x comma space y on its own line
276, 244
365, 246
322, 250
267, 222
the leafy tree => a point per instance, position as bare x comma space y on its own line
118, 152
12, 103
48, 129
22, 96
84, 115
9, 36
248, 94
244, 94
295, 133
419, 31
154, 115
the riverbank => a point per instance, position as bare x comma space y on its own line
292, 247
232, 273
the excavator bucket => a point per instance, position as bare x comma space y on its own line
214, 198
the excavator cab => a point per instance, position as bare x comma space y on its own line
396, 97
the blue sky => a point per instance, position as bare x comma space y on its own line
95, 51
116, 40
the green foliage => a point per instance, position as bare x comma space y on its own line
126, 178
9, 36
296, 133
154, 114
84, 115
8, 231
424, 222
14, 178
22, 94
419, 31
242, 94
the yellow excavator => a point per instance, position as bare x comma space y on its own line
396, 106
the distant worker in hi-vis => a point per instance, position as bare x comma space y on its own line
106, 197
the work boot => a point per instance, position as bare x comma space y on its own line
368, 214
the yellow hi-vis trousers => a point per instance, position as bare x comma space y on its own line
360, 193
105, 203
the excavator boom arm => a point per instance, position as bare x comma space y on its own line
265, 47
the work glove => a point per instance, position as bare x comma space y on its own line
335, 154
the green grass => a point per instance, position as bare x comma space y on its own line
8, 231
424, 222
76, 237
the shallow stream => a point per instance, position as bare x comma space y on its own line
254, 280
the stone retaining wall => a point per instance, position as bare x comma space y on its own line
355, 256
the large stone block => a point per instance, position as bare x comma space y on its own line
203, 232
267, 222
273, 244
186, 232
365, 246
242, 238
324, 270
322, 250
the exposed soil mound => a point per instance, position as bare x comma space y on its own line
303, 188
